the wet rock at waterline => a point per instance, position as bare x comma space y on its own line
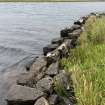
49, 48
21, 95
26, 79
29, 79
39, 65
64, 32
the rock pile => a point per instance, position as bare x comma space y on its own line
45, 82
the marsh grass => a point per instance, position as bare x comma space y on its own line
87, 63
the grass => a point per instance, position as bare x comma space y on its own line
87, 64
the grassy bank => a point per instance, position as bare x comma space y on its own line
87, 63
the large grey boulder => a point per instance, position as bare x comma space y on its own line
41, 101
38, 66
45, 85
62, 80
53, 69
29, 79
21, 95
64, 32
26, 79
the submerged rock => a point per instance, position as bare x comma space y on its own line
21, 95
64, 32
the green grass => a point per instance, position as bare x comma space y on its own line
87, 63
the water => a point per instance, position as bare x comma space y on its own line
25, 28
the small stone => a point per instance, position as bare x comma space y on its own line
53, 99
49, 48
41, 101
21, 95
53, 69
45, 84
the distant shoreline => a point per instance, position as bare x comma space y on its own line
49, 1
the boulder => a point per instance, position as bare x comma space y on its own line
80, 22
64, 32
29, 79
62, 79
75, 27
75, 34
61, 51
57, 41
53, 99
53, 69
21, 95
45, 84
26, 79
41, 101
38, 66
49, 48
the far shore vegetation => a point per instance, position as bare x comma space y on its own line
50, 0
87, 64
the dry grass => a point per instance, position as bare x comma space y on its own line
87, 63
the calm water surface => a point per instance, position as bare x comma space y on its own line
26, 27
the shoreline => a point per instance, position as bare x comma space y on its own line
45, 81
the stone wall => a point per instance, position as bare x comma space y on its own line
45, 82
